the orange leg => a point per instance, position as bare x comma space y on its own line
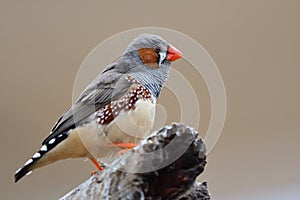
94, 161
124, 145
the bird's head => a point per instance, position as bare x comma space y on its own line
150, 57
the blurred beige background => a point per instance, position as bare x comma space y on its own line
255, 44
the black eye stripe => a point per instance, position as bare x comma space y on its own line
162, 57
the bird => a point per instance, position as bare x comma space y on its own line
116, 109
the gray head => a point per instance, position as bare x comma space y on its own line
150, 57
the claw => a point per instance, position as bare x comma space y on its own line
93, 173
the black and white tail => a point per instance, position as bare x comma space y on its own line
29, 164
33, 162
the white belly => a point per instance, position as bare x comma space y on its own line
127, 127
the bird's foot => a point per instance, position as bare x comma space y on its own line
93, 173
124, 145
95, 162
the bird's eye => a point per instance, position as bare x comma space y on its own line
162, 57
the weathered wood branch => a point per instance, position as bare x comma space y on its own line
164, 166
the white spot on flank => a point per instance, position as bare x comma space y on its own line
28, 162
51, 141
44, 148
36, 155
28, 173
59, 135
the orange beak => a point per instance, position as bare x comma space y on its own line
173, 53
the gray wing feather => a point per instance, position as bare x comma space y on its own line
110, 85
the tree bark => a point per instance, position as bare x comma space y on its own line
163, 166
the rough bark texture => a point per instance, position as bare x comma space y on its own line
132, 177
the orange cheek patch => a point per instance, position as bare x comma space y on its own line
149, 57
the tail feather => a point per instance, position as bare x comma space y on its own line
25, 170
38, 159
30, 164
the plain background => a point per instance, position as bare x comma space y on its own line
255, 44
